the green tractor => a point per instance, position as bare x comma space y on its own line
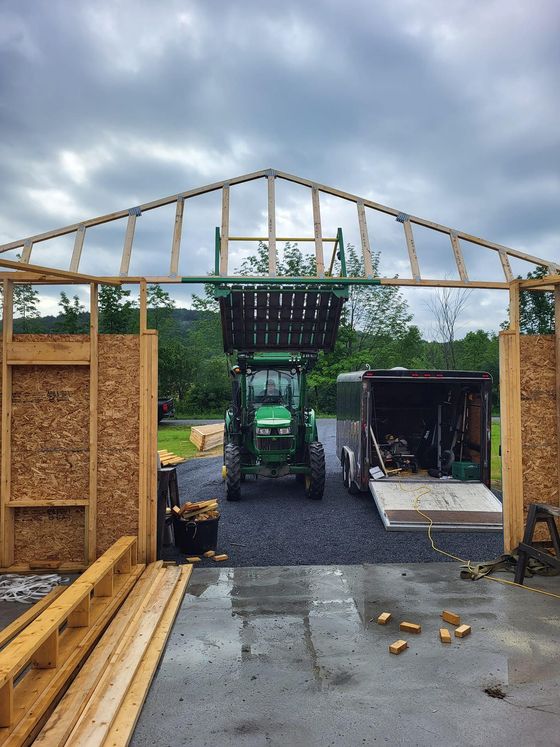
277, 332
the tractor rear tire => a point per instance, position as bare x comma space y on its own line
233, 472
315, 482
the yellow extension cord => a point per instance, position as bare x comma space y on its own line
425, 491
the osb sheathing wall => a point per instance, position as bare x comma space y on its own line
50, 450
539, 435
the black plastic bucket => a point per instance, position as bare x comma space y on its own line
196, 537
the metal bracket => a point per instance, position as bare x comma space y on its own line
270, 172
402, 218
135, 211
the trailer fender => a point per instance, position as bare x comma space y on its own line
349, 454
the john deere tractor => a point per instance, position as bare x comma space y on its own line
277, 333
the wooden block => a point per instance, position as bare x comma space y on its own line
220, 557
194, 559
463, 630
46, 656
176, 510
398, 647
209, 554
444, 635
451, 617
384, 618
409, 627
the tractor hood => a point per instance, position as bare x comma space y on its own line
275, 416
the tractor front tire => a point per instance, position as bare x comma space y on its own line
315, 482
232, 462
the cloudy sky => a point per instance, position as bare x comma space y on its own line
440, 108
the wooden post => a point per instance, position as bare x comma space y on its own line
151, 455
128, 239
514, 297
459, 259
78, 246
413, 257
143, 306
6, 513
177, 230
225, 231
143, 422
318, 232
510, 418
26, 253
91, 509
504, 259
271, 225
364, 236
557, 349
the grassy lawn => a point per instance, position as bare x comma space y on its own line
176, 439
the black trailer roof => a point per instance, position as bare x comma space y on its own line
406, 374
291, 317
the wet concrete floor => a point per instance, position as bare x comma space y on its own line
288, 656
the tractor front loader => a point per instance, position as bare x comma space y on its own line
276, 333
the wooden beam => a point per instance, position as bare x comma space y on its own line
557, 349
21, 622
64, 274
504, 259
109, 217
91, 510
514, 306
510, 419
133, 213
143, 306
413, 258
271, 225
459, 259
152, 444
364, 237
77, 251
224, 231
177, 231
26, 253
6, 513
532, 283
318, 232
47, 353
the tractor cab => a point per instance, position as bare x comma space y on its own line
275, 334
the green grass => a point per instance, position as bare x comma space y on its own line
496, 463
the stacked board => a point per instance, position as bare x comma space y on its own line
206, 437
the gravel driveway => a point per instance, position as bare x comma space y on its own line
275, 524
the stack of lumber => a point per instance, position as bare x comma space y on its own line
169, 459
206, 437
41, 658
102, 705
199, 511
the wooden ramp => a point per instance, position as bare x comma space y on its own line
452, 505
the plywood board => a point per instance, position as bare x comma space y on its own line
450, 505
539, 422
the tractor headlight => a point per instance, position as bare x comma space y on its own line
263, 431
284, 431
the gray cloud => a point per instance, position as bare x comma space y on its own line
445, 110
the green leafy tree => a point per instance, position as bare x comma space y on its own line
72, 318
160, 307
25, 307
116, 310
536, 308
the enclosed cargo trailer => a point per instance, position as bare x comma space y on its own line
419, 440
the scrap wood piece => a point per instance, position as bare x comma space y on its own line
410, 627
398, 647
221, 557
64, 717
444, 635
194, 559
384, 618
450, 617
463, 630
121, 730
101, 711
209, 554
37, 691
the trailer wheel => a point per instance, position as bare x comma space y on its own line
233, 472
315, 482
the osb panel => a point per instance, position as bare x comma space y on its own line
49, 534
118, 438
538, 421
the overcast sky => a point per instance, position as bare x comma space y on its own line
440, 108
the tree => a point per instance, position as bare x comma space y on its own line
160, 307
536, 308
116, 311
446, 305
72, 318
25, 306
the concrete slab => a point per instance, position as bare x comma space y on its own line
288, 656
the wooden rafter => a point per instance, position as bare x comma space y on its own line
272, 176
